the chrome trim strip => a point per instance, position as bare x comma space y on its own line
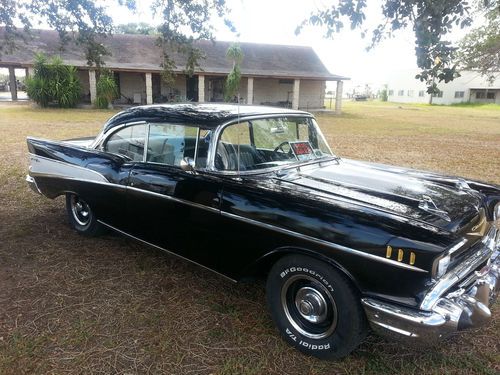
175, 199
41, 165
266, 226
325, 243
165, 250
32, 184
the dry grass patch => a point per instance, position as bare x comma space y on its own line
70, 304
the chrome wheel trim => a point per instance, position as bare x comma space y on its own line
81, 211
311, 309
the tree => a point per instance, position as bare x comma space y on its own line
87, 23
480, 49
53, 82
232, 85
432, 22
141, 28
81, 20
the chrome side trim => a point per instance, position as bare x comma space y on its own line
264, 225
325, 243
179, 200
40, 165
165, 250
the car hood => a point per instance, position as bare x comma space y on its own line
440, 201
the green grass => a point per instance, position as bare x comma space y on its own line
70, 304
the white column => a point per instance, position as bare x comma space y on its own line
250, 90
93, 87
338, 97
30, 71
149, 89
296, 90
201, 88
12, 83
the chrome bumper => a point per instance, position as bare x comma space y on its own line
466, 307
32, 184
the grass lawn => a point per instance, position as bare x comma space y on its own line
70, 304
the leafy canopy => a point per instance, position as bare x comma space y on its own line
431, 21
87, 23
480, 49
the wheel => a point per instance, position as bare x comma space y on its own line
81, 217
315, 307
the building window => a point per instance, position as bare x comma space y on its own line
391, 92
490, 95
438, 94
421, 93
286, 81
401, 92
409, 93
459, 94
480, 95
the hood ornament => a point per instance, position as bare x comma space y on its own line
427, 204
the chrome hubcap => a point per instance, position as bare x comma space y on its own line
309, 306
81, 211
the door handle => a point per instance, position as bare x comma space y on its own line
216, 202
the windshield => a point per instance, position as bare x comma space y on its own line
270, 142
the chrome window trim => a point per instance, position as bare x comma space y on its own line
219, 129
103, 137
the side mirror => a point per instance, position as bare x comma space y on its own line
187, 164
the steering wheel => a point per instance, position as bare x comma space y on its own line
280, 147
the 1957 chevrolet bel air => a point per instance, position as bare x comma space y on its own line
256, 191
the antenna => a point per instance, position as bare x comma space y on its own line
238, 138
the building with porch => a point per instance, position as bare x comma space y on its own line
279, 75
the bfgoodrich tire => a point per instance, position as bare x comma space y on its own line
315, 307
81, 216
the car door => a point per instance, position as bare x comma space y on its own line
172, 208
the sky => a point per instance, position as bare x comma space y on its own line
274, 21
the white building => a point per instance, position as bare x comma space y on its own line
469, 87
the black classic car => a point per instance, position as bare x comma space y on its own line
250, 191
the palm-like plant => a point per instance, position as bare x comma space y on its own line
53, 81
231, 88
107, 89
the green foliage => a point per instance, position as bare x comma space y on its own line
53, 82
141, 28
383, 95
480, 49
107, 89
83, 21
232, 85
87, 22
432, 22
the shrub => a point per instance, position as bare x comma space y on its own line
53, 81
107, 89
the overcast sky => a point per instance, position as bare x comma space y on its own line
274, 21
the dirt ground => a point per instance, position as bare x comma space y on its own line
70, 304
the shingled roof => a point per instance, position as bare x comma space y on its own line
141, 53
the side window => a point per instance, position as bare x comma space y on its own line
128, 142
233, 148
169, 144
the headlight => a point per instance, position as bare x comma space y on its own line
442, 266
496, 216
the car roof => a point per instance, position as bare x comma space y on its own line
205, 115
